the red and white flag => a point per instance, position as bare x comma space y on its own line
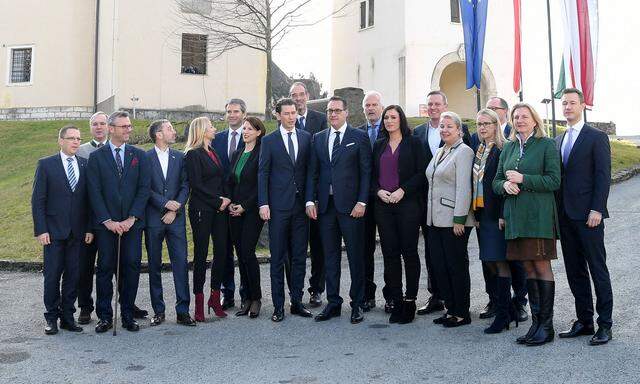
580, 20
517, 56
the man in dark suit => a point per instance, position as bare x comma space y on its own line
118, 182
518, 273
60, 217
582, 206
372, 107
337, 194
225, 144
312, 122
282, 172
165, 220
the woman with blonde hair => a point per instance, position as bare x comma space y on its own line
207, 204
527, 176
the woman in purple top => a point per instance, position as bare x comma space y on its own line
398, 178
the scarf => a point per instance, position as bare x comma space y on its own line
478, 174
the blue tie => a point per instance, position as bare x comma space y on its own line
301, 122
567, 147
71, 173
372, 135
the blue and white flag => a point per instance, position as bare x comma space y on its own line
474, 23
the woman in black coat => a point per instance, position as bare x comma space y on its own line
245, 221
398, 179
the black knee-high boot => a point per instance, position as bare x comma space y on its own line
503, 305
534, 305
545, 332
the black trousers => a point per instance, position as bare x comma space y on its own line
584, 254
432, 283
87, 270
399, 226
245, 232
369, 250
205, 225
317, 277
518, 282
451, 261
61, 262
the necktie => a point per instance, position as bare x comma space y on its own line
233, 145
71, 174
292, 152
567, 147
119, 162
372, 135
302, 122
336, 144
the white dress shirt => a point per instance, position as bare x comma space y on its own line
306, 112
433, 136
163, 157
576, 131
65, 163
96, 142
238, 138
332, 137
113, 151
504, 127
285, 138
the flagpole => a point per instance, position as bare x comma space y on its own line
478, 102
553, 104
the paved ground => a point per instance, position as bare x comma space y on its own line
301, 351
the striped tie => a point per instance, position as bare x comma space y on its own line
71, 174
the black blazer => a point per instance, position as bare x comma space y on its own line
206, 179
245, 192
314, 123
412, 163
492, 203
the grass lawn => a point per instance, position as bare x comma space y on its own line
24, 142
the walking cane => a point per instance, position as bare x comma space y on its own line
115, 320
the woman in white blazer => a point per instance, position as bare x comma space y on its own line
449, 220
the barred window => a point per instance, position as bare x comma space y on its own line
20, 65
194, 54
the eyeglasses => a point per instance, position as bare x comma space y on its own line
336, 111
127, 126
71, 138
484, 124
495, 108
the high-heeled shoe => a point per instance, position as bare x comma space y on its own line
214, 303
199, 308
254, 309
244, 310
505, 311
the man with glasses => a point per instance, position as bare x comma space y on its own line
119, 187
60, 217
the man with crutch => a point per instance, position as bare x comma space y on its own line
119, 182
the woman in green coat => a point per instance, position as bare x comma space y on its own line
528, 174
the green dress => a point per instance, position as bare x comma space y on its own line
532, 213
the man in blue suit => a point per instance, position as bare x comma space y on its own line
118, 179
337, 194
60, 212
582, 206
225, 144
282, 171
312, 122
165, 220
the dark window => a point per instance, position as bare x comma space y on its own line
194, 54
455, 11
370, 13
21, 65
363, 15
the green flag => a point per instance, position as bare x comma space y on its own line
562, 83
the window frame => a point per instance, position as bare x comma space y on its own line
366, 9
459, 13
182, 52
10, 49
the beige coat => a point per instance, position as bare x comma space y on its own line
449, 181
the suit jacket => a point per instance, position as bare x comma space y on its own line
587, 176
207, 180
492, 202
279, 180
245, 192
57, 209
475, 141
174, 187
314, 123
348, 172
364, 128
411, 166
221, 144
449, 196
421, 132
118, 198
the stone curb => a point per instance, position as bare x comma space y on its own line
625, 174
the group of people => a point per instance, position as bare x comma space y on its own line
318, 182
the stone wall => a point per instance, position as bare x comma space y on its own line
607, 127
174, 115
353, 96
46, 113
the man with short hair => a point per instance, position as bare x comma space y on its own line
282, 172
225, 144
60, 217
582, 206
118, 182
337, 193
165, 220
372, 106
312, 122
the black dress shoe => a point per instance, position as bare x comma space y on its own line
185, 319
278, 315
315, 300
131, 326
300, 310
440, 320
489, 311
157, 319
329, 312
228, 303
602, 336
71, 327
388, 306
577, 329
51, 328
139, 313
368, 305
433, 305
453, 322
356, 315
244, 310
85, 316
103, 326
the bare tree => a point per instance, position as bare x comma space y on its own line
256, 24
